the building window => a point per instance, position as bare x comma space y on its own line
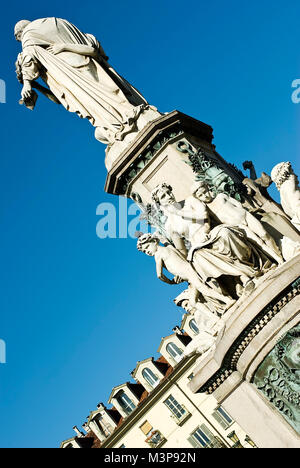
202, 437
193, 326
125, 402
150, 377
176, 409
174, 351
222, 417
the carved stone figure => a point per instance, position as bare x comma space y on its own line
262, 204
204, 318
257, 189
174, 262
287, 183
227, 210
76, 70
210, 327
223, 251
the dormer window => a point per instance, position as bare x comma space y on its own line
174, 351
150, 377
125, 402
193, 326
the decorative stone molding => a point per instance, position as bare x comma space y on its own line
250, 332
209, 171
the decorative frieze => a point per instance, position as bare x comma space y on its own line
278, 377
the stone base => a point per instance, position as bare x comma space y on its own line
153, 157
265, 406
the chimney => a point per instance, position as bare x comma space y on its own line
177, 330
79, 434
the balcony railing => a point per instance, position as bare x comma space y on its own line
182, 418
156, 439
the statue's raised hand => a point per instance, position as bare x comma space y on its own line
56, 48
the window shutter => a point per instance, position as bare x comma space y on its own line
214, 441
146, 428
193, 442
220, 420
207, 432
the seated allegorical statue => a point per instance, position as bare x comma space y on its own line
170, 259
222, 251
226, 210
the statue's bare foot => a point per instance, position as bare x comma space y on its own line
249, 287
239, 290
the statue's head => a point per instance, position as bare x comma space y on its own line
19, 28
183, 300
201, 191
281, 173
163, 195
148, 243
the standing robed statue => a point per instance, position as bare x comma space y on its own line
76, 71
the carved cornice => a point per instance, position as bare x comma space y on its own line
149, 140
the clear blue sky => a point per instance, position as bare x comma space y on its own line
78, 312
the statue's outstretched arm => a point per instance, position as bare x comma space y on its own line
80, 49
160, 274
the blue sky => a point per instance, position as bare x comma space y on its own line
78, 312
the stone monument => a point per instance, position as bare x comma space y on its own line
216, 230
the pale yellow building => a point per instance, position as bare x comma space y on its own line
158, 409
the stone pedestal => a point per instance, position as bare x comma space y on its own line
254, 371
161, 153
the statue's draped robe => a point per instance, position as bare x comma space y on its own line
85, 85
226, 252
229, 252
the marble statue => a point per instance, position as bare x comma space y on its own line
261, 203
211, 307
174, 262
223, 251
257, 189
211, 328
231, 212
76, 71
204, 318
288, 185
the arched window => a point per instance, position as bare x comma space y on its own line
174, 351
193, 326
125, 402
150, 377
